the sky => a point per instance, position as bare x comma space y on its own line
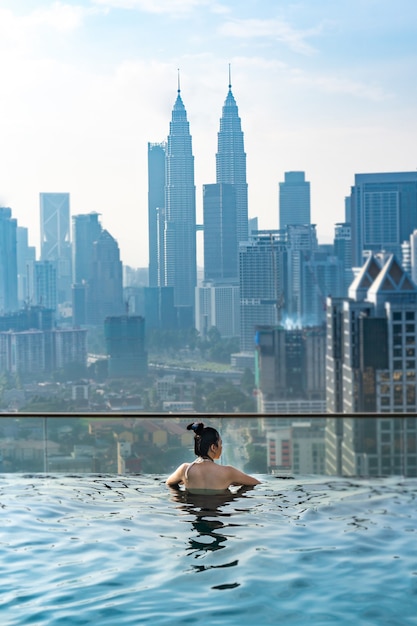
323, 86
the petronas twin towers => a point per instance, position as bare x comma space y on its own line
172, 204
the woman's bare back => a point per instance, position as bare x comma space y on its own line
205, 475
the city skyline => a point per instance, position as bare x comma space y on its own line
327, 90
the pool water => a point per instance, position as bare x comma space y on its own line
114, 550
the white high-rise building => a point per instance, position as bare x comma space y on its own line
218, 305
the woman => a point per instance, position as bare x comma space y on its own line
203, 475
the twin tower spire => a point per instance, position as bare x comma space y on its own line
179, 83
172, 198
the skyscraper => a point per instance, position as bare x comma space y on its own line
220, 236
231, 161
383, 212
290, 369
218, 305
413, 255
105, 287
41, 276
302, 244
156, 213
371, 366
86, 229
125, 343
262, 270
343, 251
25, 255
180, 264
8, 261
56, 240
294, 200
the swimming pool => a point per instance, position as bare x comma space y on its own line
112, 550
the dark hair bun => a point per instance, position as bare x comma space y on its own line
197, 427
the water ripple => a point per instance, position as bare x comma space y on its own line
126, 550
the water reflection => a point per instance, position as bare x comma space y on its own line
283, 445
210, 517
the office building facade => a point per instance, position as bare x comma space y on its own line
104, 290
125, 344
34, 352
56, 239
290, 367
301, 246
413, 256
86, 229
156, 212
219, 306
26, 254
343, 251
8, 261
383, 212
220, 233
42, 285
156, 305
262, 275
323, 274
371, 367
294, 200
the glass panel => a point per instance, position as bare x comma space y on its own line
156, 444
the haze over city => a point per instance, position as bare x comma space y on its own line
323, 87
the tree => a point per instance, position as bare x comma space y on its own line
225, 399
257, 462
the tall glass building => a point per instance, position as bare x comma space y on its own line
56, 239
220, 241
104, 295
8, 261
262, 270
86, 229
371, 367
383, 212
231, 161
294, 200
180, 262
156, 212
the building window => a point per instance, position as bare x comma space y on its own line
398, 394
411, 395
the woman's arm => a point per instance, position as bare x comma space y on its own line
240, 478
177, 477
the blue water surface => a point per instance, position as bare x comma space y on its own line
117, 551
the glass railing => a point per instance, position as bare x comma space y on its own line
284, 445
